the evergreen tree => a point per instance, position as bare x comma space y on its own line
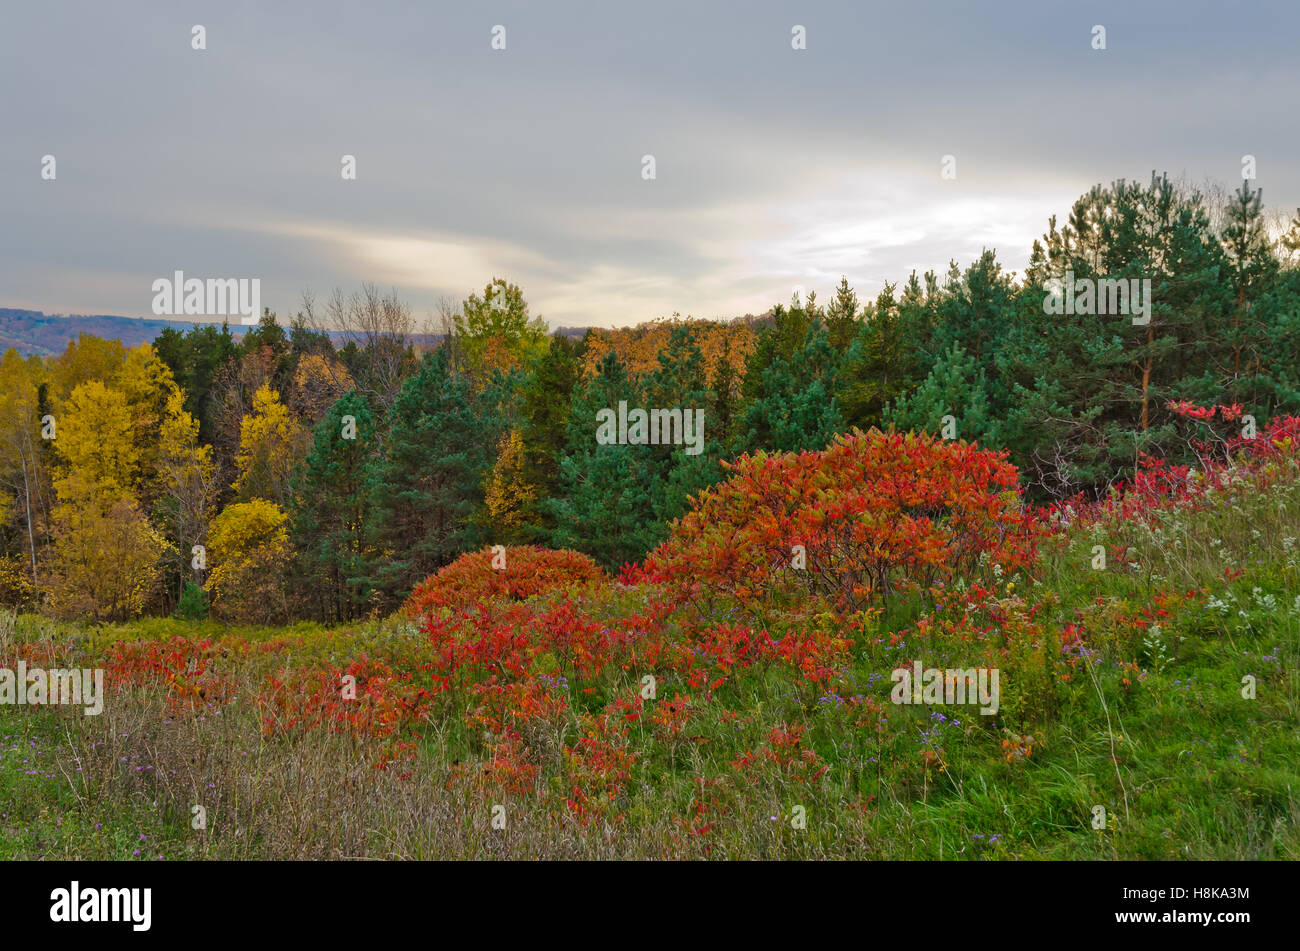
1251, 271
331, 506
975, 309
842, 317
606, 506
956, 387
546, 401
724, 390
427, 486
269, 334
195, 357
875, 368
1085, 392
779, 341
793, 405
680, 383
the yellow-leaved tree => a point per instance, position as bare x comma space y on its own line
107, 557
248, 552
95, 439
106, 554
270, 444
188, 474
318, 383
148, 387
507, 494
86, 358
24, 474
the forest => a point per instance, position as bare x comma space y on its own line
280, 476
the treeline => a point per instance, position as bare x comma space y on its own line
278, 476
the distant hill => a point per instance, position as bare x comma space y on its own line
31, 331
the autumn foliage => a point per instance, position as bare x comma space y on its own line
638, 347
873, 513
524, 571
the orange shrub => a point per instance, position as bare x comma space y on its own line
472, 579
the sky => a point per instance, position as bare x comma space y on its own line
775, 168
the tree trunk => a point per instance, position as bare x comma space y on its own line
1146, 378
27, 504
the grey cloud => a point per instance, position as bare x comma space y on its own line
225, 162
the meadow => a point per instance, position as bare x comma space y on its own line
730, 697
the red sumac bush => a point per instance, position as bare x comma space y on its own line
874, 512
528, 570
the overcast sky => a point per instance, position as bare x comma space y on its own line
775, 167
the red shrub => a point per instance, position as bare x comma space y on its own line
185, 668
1225, 460
528, 571
874, 512
377, 701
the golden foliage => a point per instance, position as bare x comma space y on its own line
507, 495
638, 347
19, 431
248, 549
106, 557
318, 383
95, 441
187, 470
148, 385
87, 358
270, 443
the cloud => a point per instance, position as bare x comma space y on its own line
775, 167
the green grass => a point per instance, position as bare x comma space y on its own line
47, 811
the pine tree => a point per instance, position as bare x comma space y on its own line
1290, 241
330, 509
956, 387
842, 317
428, 484
195, 357
1251, 271
874, 369
606, 504
680, 382
792, 404
546, 400
975, 309
724, 389
1082, 394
